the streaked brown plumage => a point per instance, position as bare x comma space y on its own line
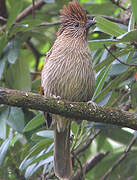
68, 73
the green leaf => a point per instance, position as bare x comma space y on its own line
3, 118
36, 85
18, 75
13, 50
114, 99
134, 9
113, 84
105, 165
109, 27
46, 133
100, 7
3, 42
97, 55
118, 135
102, 77
25, 163
117, 69
36, 138
34, 167
15, 139
110, 59
3, 150
40, 146
103, 144
25, 25
15, 9
131, 23
31, 170
74, 128
16, 119
35, 122
37, 151
96, 44
130, 55
49, 1
2, 65
43, 157
83, 1
128, 36
135, 176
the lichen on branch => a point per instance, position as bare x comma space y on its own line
77, 110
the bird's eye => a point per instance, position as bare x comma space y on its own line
76, 24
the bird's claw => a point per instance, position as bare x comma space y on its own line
56, 97
93, 104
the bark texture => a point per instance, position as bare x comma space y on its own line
77, 110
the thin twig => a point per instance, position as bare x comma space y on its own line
117, 3
50, 23
49, 176
35, 73
81, 167
135, 65
35, 52
122, 93
116, 20
87, 143
3, 12
26, 12
33, 9
90, 164
3, 19
122, 157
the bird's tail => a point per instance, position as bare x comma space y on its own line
62, 156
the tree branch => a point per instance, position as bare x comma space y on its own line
87, 143
91, 163
29, 10
3, 12
35, 52
77, 110
134, 65
121, 158
117, 3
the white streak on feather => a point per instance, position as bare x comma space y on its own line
68, 71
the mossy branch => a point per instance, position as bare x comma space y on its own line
77, 110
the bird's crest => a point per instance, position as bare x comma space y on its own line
73, 11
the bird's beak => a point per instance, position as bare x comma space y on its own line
90, 23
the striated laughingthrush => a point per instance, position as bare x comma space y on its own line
68, 73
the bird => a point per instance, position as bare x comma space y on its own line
68, 74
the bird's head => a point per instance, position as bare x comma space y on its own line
74, 21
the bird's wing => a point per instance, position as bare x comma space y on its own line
47, 116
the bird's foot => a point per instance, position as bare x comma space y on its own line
56, 97
93, 104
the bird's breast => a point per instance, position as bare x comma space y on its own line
69, 75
